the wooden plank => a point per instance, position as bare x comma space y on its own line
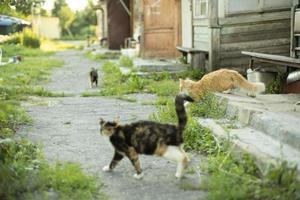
190, 50
275, 58
201, 30
278, 50
255, 36
201, 45
259, 26
255, 17
254, 44
200, 22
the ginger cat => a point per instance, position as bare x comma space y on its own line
222, 80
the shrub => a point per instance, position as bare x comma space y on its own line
30, 39
13, 39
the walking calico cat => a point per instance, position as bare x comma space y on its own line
222, 80
150, 138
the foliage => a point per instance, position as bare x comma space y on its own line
126, 61
24, 174
58, 4
209, 107
30, 39
163, 88
21, 6
66, 17
85, 21
26, 38
275, 87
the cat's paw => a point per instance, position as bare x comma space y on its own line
106, 168
251, 94
138, 176
178, 175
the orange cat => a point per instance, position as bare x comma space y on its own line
222, 80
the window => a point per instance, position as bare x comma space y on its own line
236, 7
200, 8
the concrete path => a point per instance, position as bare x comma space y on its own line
69, 131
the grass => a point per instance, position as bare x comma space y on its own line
114, 83
24, 173
126, 61
102, 56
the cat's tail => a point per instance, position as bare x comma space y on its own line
252, 89
180, 110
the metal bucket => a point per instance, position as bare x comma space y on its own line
293, 77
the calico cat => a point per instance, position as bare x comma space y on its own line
93, 77
222, 80
150, 138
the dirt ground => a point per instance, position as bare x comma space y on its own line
68, 129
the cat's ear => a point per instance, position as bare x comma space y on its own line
117, 120
101, 121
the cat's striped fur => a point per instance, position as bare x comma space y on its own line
149, 137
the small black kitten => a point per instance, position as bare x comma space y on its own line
93, 77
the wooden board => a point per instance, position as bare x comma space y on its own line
161, 28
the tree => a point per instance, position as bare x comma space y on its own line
85, 21
66, 17
21, 6
58, 4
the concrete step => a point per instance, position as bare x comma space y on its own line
275, 115
260, 145
144, 65
282, 126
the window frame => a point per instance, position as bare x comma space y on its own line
201, 16
260, 9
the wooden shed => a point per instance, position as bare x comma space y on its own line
224, 28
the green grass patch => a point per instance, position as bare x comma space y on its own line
102, 56
24, 173
126, 61
17, 81
209, 107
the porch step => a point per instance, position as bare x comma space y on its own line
262, 146
277, 116
152, 65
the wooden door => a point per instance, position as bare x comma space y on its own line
162, 31
118, 23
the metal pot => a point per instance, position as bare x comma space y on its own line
293, 77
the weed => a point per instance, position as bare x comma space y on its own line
209, 107
163, 88
275, 86
126, 61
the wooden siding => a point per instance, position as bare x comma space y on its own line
201, 34
264, 33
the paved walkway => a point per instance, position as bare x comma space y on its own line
68, 129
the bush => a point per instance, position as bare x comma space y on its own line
30, 39
13, 39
